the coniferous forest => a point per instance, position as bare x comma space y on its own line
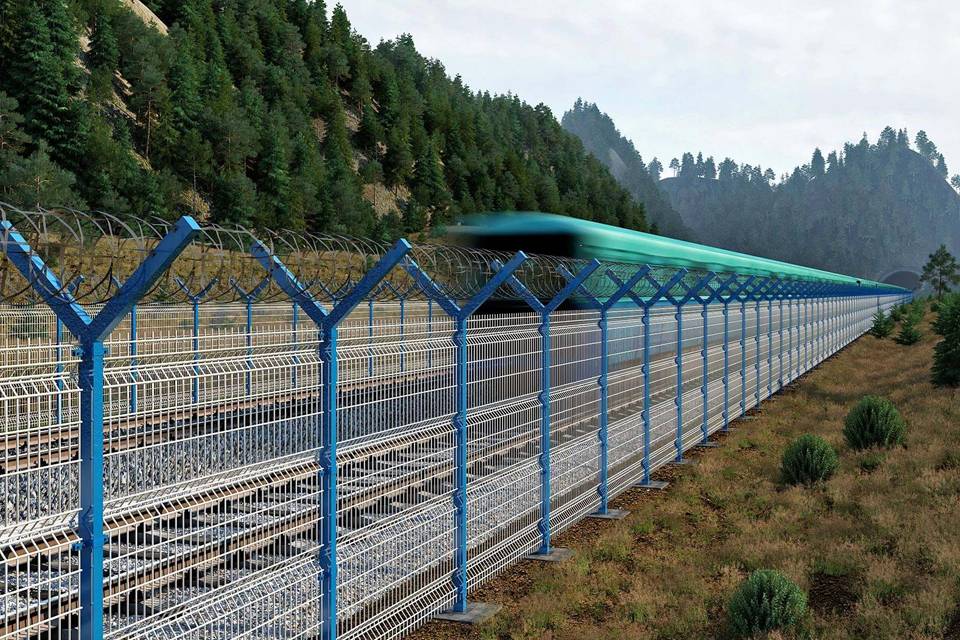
272, 114
867, 208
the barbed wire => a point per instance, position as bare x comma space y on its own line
91, 254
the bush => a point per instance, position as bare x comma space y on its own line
767, 600
909, 333
874, 421
896, 314
882, 325
946, 310
807, 460
946, 354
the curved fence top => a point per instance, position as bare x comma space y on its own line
91, 254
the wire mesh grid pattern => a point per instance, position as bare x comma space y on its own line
274, 467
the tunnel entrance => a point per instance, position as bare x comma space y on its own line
904, 278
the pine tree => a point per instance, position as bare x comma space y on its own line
13, 139
38, 181
941, 271
709, 168
428, 184
370, 132
63, 39
184, 83
103, 57
398, 160
817, 164
37, 77
274, 182
942, 165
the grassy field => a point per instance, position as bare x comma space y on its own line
877, 548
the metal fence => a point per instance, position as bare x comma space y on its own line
351, 467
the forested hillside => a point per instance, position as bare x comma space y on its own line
865, 209
269, 113
602, 139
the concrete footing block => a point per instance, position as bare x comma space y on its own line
611, 514
557, 554
476, 613
658, 485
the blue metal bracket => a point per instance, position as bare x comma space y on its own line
623, 289
544, 310
460, 315
327, 322
90, 332
661, 290
678, 359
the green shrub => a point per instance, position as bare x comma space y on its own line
882, 325
896, 313
909, 333
874, 421
946, 353
807, 460
870, 462
767, 600
946, 311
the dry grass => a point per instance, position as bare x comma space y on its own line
876, 547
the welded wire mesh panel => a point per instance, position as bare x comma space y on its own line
396, 401
39, 477
715, 368
575, 411
39, 584
503, 440
212, 434
663, 385
625, 397
210, 479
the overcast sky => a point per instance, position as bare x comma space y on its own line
761, 82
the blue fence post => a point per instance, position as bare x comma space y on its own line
195, 299
646, 393
806, 332
370, 337
327, 322
295, 338
726, 364
743, 356
678, 398
780, 297
603, 306
90, 333
544, 311
756, 353
249, 297
690, 293
770, 340
661, 290
461, 314
705, 378
715, 294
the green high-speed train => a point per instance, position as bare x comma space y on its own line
564, 236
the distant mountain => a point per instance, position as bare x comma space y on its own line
867, 209
602, 139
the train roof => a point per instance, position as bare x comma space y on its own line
615, 244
